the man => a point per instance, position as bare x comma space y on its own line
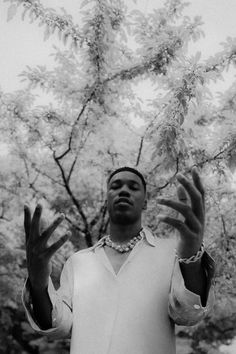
126, 293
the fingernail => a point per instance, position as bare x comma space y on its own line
195, 170
68, 234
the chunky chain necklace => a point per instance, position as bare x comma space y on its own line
122, 247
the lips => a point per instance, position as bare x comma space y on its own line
123, 200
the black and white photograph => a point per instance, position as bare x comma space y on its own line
117, 177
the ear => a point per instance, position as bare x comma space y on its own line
145, 204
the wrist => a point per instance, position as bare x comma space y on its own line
192, 259
187, 249
37, 286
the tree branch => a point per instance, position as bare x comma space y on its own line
75, 226
157, 63
188, 170
51, 20
46, 175
102, 211
75, 202
171, 179
139, 151
72, 168
74, 125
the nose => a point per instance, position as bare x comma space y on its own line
124, 191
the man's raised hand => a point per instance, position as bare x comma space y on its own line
192, 227
38, 253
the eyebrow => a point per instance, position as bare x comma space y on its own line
132, 181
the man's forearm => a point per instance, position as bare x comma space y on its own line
42, 307
195, 279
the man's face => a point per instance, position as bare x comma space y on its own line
126, 198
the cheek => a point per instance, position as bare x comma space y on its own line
141, 204
110, 198
108, 203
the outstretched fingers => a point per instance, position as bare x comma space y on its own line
48, 232
195, 195
183, 209
177, 224
55, 246
27, 222
34, 229
198, 184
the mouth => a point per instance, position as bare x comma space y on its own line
124, 201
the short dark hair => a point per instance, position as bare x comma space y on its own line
129, 169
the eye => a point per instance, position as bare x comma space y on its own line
134, 187
114, 186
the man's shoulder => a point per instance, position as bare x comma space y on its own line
83, 253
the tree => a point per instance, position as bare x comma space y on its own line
62, 153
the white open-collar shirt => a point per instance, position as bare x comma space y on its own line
131, 312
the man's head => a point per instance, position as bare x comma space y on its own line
126, 195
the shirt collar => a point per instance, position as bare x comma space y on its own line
146, 232
149, 236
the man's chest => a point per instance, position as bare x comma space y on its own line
106, 270
116, 259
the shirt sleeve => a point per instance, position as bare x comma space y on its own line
61, 306
185, 307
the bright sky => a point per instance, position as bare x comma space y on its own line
22, 43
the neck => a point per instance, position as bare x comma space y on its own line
124, 233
